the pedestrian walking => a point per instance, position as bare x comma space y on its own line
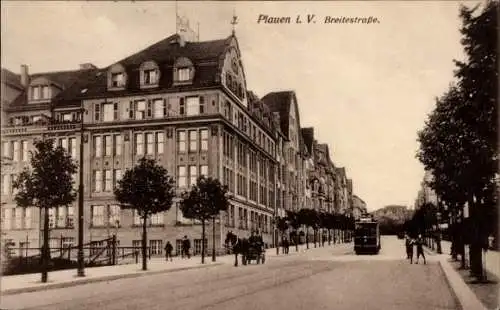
168, 251
186, 245
420, 248
409, 248
286, 245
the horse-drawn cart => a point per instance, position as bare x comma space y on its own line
255, 252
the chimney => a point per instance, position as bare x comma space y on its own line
24, 75
182, 40
87, 66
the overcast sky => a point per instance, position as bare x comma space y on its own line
366, 89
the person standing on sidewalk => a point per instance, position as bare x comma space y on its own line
286, 245
409, 248
186, 245
168, 251
420, 247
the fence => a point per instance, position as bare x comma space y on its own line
103, 252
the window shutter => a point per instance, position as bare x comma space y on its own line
164, 107
181, 106
202, 104
131, 110
115, 111
149, 109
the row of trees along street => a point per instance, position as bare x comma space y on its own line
459, 142
147, 188
334, 225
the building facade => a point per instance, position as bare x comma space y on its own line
185, 104
358, 207
426, 194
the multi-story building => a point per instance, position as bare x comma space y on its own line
358, 207
321, 174
341, 191
11, 88
426, 194
285, 106
349, 195
185, 104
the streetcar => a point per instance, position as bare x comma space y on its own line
366, 236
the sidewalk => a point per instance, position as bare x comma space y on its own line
492, 259
467, 298
65, 278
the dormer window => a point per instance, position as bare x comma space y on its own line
149, 74
183, 71
183, 74
150, 77
40, 92
117, 80
117, 77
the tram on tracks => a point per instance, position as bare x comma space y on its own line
367, 236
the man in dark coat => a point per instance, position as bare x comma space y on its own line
186, 245
168, 251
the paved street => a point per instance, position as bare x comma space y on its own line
323, 278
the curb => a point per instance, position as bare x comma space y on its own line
462, 293
102, 279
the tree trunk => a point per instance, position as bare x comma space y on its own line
202, 241
277, 242
329, 237
144, 244
315, 235
307, 237
45, 246
462, 242
213, 239
296, 241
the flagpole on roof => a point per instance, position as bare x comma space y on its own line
176, 18
234, 21
198, 33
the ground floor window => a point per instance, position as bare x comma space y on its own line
68, 242
156, 247
197, 246
178, 246
54, 243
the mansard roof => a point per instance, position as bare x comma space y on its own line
258, 109
341, 171
206, 57
280, 102
302, 146
64, 79
308, 137
11, 79
169, 49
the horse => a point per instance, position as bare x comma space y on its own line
237, 246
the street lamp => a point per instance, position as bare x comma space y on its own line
81, 261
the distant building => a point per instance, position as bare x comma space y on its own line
426, 194
358, 207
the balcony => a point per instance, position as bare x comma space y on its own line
38, 128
